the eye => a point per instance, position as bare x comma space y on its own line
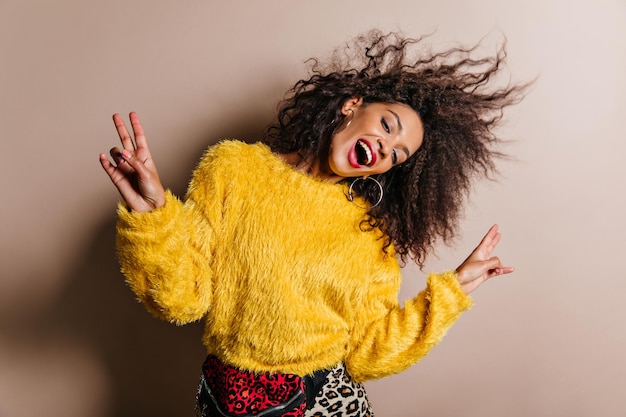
394, 157
385, 125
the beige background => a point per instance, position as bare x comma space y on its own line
548, 341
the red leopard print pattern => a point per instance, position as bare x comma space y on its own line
244, 393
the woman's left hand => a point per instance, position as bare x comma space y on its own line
480, 265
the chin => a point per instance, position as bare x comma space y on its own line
341, 171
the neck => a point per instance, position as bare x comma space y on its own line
310, 166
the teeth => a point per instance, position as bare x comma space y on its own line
368, 153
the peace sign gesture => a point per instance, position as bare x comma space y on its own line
134, 173
480, 265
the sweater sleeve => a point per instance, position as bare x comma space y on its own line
393, 338
166, 254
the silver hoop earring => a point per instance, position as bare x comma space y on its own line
351, 195
344, 123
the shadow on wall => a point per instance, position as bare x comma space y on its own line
151, 367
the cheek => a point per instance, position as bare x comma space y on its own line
384, 168
339, 142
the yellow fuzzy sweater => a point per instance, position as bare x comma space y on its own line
275, 262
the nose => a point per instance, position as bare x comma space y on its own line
384, 148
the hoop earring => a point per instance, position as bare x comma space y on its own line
344, 123
351, 195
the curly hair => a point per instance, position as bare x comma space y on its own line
454, 96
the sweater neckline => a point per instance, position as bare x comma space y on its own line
280, 161
340, 189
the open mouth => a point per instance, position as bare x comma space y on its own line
363, 153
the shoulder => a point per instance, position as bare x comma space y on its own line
232, 155
236, 150
231, 162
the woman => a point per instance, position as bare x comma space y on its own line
290, 248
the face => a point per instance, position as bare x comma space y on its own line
380, 136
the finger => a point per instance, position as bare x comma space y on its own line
122, 165
490, 236
505, 270
122, 132
109, 168
114, 172
493, 263
491, 245
121, 181
135, 163
496, 268
489, 242
482, 270
117, 177
140, 136
116, 154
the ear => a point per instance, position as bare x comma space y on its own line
352, 103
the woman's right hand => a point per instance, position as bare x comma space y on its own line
134, 173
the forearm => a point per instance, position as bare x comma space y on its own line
165, 261
404, 335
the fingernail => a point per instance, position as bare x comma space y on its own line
126, 154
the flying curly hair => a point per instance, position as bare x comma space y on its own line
453, 93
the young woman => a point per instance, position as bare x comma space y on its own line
290, 248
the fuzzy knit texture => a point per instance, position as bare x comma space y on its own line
275, 262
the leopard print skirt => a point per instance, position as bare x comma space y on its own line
340, 397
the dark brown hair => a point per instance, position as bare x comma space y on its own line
454, 94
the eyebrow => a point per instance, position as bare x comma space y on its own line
404, 148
